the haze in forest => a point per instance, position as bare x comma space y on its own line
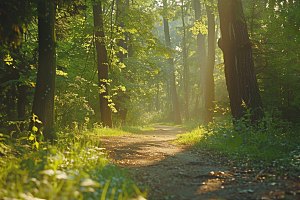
73, 72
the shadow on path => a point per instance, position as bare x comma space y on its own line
174, 172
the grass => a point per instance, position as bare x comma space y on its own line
119, 131
273, 143
109, 132
75, 167
191, 125
188, 126
191, 138
137, 129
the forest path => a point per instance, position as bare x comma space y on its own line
176, 172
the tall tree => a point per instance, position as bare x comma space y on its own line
43, 104
209, 89
122, 43
177, 117
239, 66
185, 66
201, 51
102, 65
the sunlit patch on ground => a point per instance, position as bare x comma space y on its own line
209, 185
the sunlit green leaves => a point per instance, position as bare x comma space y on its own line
81, 170
32, 137
199, 26
34, 129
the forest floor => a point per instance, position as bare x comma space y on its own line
178, 172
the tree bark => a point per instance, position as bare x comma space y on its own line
185, 69
157, 105
122, 109
201, 51
102, 65
177, 117
209, 90
43, 104
239, 66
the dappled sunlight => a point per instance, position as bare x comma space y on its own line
178, 99
153, 160
146, 149
210, 185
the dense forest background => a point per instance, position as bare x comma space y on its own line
146, 61
75, 72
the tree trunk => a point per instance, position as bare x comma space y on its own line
122, 110
185, 69
121, 43
201, 51
43, 104
239, 66
209, 90
157, 98
177, 117
102, 66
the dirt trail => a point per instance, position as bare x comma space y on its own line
174, 172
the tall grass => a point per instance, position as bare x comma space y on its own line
75, 167
137, 129
272, 142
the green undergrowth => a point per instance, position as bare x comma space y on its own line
187, 126
109, 132
119, 131
191, 125
137, 129
271, 143
75, 167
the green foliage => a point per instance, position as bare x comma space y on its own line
3, 147
275, 55
110, 132
272, 142
199, 26
72, 107
137, 129
191, 125
75, 167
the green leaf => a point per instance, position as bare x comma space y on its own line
31, 137
235, 141
238, 139
34, 129
2, 135
36, 145
262, 137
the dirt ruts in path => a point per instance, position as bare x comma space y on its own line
175, 172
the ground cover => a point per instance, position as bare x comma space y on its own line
219, 161
172, 171
75, 167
